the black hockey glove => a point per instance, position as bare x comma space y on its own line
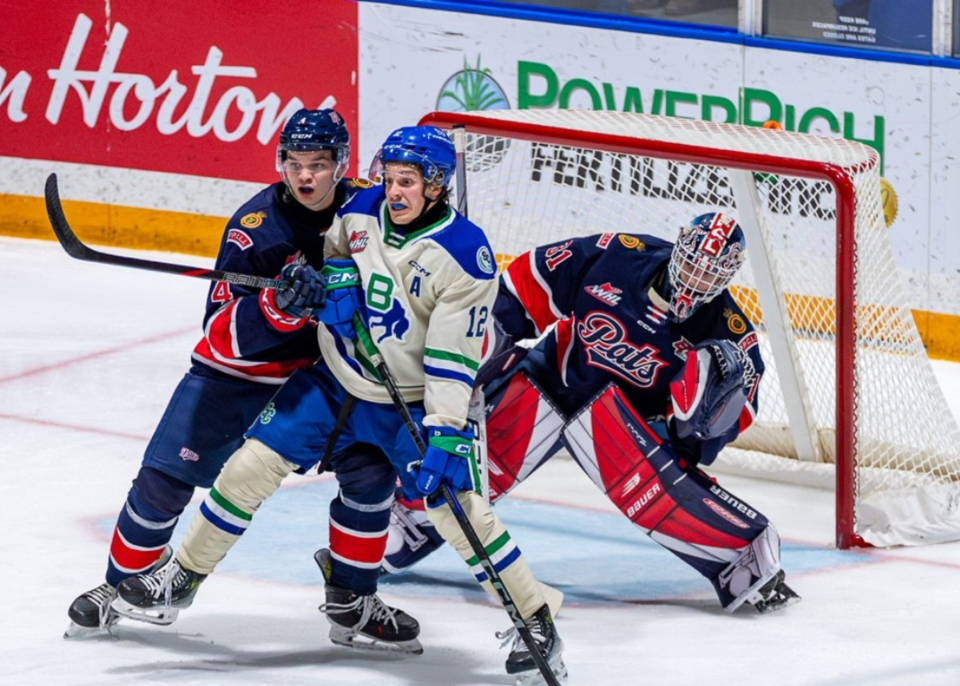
307, 291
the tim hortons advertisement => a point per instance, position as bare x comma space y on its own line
193, 87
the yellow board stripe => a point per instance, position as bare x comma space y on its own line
114, 225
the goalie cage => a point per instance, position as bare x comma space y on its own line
848, 382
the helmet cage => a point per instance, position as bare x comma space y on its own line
704, 260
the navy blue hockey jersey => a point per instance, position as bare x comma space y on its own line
610, 323
245, 335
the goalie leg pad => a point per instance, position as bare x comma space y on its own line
506, 557
522, 431
248, 478
410, 538
676, 505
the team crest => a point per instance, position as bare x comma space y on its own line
485, 260
631, 242
252, 220
606, 293
361, 183
604, 339
358, 241
735, 322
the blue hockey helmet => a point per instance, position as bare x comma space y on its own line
313, 130
427, 147
704, 260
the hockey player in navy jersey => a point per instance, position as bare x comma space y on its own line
428, 284
648, 369
252, 341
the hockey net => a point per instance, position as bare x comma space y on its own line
848, 391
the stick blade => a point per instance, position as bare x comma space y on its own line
58, 221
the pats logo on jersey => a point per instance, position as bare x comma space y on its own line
358, 241
607, 293
605, 343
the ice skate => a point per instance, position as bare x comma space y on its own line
158, 597
774, 595
520, 663
365, 621
90, 613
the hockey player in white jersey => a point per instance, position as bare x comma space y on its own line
428, 285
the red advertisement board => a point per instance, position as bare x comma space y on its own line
198, 87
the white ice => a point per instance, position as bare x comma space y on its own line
89, 355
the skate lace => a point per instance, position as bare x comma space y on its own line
511, 635
370, 606
161, 582
102, 595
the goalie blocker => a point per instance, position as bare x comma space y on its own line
725, 539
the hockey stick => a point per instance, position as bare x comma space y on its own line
75, 248
471, 534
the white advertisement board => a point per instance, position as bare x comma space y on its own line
413, 61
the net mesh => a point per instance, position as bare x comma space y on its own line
526, 190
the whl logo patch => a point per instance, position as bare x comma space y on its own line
358, 241
605, 293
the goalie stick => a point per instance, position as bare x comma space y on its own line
76, 249
471, 534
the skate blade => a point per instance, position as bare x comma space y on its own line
161, 615
348, 638
535, 678
775, 604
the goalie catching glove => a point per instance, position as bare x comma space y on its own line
344, 297
450, 457
710, 391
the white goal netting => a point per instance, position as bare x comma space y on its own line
538, 176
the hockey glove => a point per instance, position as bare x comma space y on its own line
305, 293
450, 458
710, 391
344, 297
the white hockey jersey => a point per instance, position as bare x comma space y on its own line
428, 295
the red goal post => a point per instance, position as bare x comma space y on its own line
848, 381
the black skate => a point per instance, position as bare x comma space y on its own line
90, 612
158, 597
367, 618
774, 595
520, 662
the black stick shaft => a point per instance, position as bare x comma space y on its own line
76, 249
462, 520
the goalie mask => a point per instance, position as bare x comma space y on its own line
705, 258
426, 147
312, 131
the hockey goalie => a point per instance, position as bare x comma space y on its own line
643, 370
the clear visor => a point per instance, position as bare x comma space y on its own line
409, 160
293, 166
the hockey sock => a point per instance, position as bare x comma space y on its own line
146, 523
358, 539
248, 478
507, 559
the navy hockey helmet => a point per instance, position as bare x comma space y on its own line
427, 147
705, 258
313, 130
